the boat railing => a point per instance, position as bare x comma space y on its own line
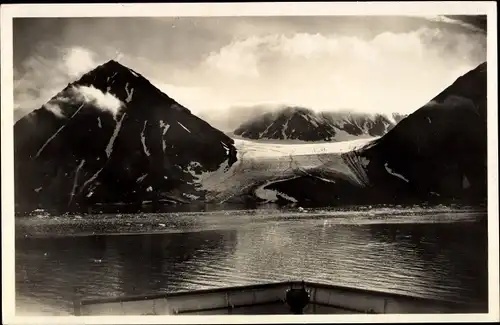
323, 298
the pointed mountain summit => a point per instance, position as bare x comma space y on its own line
113, 77
111, 137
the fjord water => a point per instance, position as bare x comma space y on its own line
428, 252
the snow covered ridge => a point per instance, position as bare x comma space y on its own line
298, 123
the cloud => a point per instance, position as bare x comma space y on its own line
40, 77
78, 95
323, 65
453, 102
54, 107
106, 102
78, 61
390, 71
460, 21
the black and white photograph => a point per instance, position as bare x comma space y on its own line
223, 162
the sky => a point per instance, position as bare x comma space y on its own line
210, 65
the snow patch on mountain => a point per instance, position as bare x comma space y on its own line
118, 126
133, 72
141, 178
225, 147
143, 140
130, 93
54, 108
164, 126
185, 128
91, 179
75, 180
284, 129
271, 196
191, 196
208, 180
393, 173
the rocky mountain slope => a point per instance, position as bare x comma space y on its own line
439, 152
298, 123
112, 137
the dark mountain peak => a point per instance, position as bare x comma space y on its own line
114, 63
113, 66
440, 149
112, 137
121, 81
109, 71
467, 85
112, 84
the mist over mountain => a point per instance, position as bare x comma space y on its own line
304, 124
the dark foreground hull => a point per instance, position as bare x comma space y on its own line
269, 299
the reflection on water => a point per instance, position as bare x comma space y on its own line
446, 260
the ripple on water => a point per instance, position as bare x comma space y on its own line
421, 258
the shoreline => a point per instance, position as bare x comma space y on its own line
151, 224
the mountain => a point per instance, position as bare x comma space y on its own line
438, 154
359, 124
111, 138
299, 123
439, 151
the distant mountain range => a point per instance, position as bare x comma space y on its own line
299, 123
436, 154
113, 139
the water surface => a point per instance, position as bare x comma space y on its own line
436, 253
